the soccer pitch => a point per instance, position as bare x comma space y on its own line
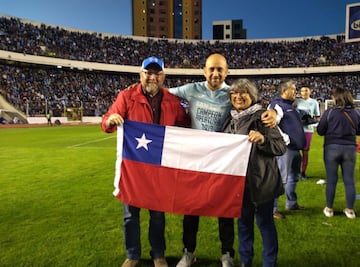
57, 208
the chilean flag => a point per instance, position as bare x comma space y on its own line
181, 170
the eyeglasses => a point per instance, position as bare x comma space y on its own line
233, 92
148, 73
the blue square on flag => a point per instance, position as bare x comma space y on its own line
143, 142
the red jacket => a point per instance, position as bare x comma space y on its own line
131, 104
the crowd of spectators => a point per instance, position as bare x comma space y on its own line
37, 89
17, 36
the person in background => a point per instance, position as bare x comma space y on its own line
16, 120
339, 126
209, 105
145, 102
48, 117
263, 181
292, 129
3, 120
310, 113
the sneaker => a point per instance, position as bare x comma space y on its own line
227, 260
350, 213
129, 263
328, 212
161, 262
278, 215
303, 176
187, 259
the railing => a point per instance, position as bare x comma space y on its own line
73, 110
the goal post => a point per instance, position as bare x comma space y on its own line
73, 114
330, 103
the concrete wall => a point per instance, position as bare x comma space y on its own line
63, 120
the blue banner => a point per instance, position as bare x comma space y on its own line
353, 22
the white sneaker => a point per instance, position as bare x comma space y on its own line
349, 213
328, 212
187, 259
227, 260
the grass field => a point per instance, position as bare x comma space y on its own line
57, 208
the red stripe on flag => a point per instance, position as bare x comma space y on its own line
180, 191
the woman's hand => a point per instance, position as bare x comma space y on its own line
256, 137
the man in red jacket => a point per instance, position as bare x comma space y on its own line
148, 102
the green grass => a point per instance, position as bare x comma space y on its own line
57, 208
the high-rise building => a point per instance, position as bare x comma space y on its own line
228, 30
180, 19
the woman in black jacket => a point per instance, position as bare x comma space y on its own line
340, 125
263, 182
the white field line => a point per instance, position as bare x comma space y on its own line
91, 142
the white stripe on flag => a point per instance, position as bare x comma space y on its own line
119, 145
205, 151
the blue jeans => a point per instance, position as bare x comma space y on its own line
289, 165
265, 222
345, 157
132, 233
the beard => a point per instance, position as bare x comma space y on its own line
152, 88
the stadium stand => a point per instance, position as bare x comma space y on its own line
47, 68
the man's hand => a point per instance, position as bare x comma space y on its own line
268, 118
114, 119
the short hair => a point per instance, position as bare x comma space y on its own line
284, 85
305, 86
242, 85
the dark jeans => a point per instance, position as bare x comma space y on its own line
132, 233
345, 157
265, 222
226, 233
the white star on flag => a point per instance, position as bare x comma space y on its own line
143, 142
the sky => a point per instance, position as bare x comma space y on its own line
263, 19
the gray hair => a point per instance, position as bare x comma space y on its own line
284, 85
245, 86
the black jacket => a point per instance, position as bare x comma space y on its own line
338, 128
263, 177
291, 123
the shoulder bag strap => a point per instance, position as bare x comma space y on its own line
349, 118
